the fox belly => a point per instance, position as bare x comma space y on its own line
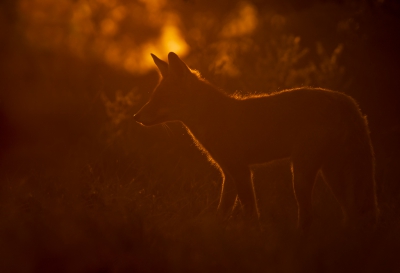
257, 131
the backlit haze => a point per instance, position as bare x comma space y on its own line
84, 188
124, 33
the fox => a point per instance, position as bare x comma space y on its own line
321, 132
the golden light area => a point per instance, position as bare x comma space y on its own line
253, 164
243, 22
139, 59
122, 33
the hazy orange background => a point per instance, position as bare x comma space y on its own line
83, 188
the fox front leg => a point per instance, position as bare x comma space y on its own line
243, 178
228, 196
240, 179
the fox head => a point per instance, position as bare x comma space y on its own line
171, 97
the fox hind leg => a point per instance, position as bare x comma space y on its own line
304, 174
354, 190
337, 180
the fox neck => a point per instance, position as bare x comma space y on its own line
208, 111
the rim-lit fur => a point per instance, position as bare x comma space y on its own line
319, 130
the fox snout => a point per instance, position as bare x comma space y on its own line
148, 116
136, 117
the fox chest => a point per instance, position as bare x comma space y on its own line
246, 144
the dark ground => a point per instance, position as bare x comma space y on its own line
85, 189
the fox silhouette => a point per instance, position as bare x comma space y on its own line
318, 130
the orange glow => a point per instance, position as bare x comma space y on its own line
108, 3
243, 22
172, 41
139, 60
113, 54
119, 13
115, 31
108, 27
223, 63
154, 5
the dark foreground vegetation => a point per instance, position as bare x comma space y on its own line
85, 189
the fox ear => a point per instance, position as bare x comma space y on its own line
162, 66
177, 68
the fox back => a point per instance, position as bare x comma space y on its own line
320, 131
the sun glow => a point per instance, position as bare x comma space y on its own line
172, 41
139, 59
121, 33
